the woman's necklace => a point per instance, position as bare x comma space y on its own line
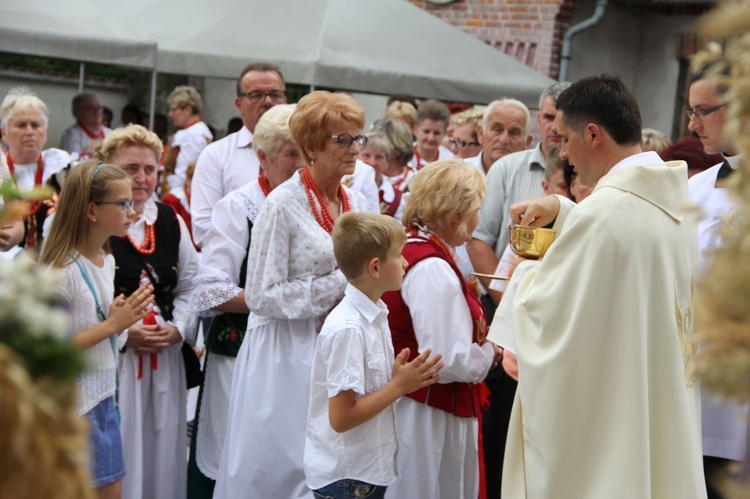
265, 185
323, 217
435, 240
397, 184
148, 246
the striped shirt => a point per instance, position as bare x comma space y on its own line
513, 178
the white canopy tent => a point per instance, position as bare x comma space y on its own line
76, 30
371, 46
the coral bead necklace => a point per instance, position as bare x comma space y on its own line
322, 216
265, 185
148, 246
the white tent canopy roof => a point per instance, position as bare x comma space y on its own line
78, 30
374, 46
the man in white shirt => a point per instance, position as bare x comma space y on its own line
232, 162
88, 126
725, 423
505, 129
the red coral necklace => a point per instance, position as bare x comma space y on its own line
148, 246
322, 216
265, 185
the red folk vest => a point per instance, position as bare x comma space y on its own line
459, 399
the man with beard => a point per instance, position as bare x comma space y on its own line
231, 162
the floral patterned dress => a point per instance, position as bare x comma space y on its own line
292, 284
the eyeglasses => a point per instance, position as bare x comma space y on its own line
258, 96
344, 140
125, 205
702, 113
461, 143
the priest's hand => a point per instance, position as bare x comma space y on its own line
510, 365
537, 212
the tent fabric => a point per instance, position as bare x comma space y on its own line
78, 30
372, 46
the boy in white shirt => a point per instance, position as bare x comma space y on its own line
350, 445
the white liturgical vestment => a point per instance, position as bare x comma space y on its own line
603, 335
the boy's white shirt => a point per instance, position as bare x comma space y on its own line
354, 352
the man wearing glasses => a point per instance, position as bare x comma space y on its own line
88, 126
724, 423
231, 162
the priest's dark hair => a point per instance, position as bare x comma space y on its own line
604, 100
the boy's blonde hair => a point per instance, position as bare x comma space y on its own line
360, 237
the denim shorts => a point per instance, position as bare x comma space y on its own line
350, 489
107, 461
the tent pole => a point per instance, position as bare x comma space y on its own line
152, 101
81, 73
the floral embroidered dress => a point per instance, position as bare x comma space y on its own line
292, 283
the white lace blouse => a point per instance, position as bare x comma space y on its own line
224, 249
98, 382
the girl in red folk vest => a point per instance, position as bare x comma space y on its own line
439, 427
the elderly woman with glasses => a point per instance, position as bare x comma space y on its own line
292, 283
158, 252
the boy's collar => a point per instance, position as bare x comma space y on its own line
369, 310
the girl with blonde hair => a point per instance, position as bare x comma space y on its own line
96, 204
439, 453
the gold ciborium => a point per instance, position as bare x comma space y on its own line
531, 242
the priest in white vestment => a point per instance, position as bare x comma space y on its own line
605, 406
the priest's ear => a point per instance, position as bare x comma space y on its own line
593, 134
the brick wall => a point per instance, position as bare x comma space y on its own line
529, 30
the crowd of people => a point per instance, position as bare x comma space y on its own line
350, 349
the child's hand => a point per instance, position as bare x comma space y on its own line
419, 373
124, 312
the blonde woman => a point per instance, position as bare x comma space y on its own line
156, 251
185, 105
436, 308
